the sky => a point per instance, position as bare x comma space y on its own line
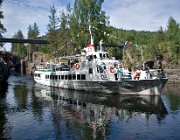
137, 15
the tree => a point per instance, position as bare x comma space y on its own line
2, 29
52, 28
161, 36
88, 12
65, 44
19, 48
33, 33
173, 33
172, 29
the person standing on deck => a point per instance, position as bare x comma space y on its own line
147, 71
119, 72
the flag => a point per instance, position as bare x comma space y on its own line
126, 43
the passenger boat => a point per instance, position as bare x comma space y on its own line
95, 71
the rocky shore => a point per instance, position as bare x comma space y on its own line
173, 75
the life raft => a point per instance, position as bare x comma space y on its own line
111, 69
137, 76
77, 65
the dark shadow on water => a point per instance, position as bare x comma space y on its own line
3, 107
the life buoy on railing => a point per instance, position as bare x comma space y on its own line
111, 69
77, 65
137, 76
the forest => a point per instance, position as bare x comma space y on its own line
68, 33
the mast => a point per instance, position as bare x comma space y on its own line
92, 41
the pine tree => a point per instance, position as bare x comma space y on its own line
52, 28
33, 33
172, 29
2, 29
19, 48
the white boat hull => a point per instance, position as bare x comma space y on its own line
138, 87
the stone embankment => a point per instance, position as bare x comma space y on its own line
173, 75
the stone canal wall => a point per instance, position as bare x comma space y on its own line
173, 75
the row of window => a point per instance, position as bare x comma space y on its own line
66, 77
37, 75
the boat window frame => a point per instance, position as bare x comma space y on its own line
83, 76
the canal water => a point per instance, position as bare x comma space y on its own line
29, 111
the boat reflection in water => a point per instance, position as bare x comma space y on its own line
95, 112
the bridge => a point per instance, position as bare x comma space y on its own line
31, 41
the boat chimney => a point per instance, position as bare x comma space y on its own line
101, 45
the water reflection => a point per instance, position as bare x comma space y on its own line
92, 114
29, 111
20, 94
3, 107
173, 96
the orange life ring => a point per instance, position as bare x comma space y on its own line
111, 69
77, 66
137, 76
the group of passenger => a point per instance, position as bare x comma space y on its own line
122, 73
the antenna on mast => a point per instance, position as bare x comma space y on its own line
92, 41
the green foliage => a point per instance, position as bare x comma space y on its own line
33, 33
173, 34
68, 33
2, 29
19, 48
159, 45
172, 29
82, 17
52, 28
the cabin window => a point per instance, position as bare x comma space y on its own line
62, 77
59, 77
51, 76
55, 77
47, 77
100, 55
95, 56
90, 71
66, 77
69, 77
83, 77
74, 76
107, 55
88, 58
91, 57
104, 55
78, 76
